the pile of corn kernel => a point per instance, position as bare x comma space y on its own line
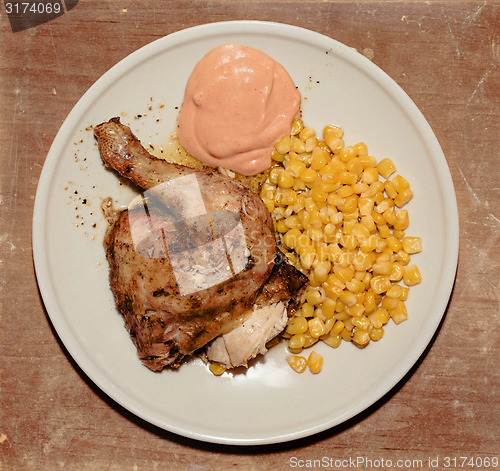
342, 225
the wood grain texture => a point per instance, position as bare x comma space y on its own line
445, 55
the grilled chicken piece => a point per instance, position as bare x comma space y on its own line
190, 255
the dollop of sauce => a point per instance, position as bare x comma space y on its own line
238, 102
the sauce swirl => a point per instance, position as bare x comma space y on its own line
238, 102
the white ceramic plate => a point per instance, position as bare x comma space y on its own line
270, 403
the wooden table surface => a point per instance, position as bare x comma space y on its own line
445, 55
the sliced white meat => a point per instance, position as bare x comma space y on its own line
240, 345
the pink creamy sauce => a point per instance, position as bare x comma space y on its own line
238, 102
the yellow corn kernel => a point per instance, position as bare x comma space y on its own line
369, 303
306, 132
394, 244
344, 273
311, 142
355, 286
316, 327
370, 175
297, 325
297, 145
397, 272
399, 234
384, 231
276, 156
314, 297
291, 238
400, 183
378, 219
307, 255
370, 244
297, 363
379, 317
382, 268
285, 180
288, 197
329, 173
385, 256
297, 126
361, 322
399, 314
329, 323
337, 328
283, 145
348, 178
348, 298
386, 168
402, 219
342, 193
350, 205
403, 198
361, 149
217, 369
376, 333
347, 153
315, 362
366, 205
309, 340
355, 310
380, 284
321, 270
331, 130
367, 161
295, 167
307, 310
318, 195
310, 205
346, 335
390, 190
361, 338
319, 158
411, 275
404, 294
332, 291
402, 257
315, 233
389, 303
333, 137
281, 226
360, 231
327, 186
388, 214
322, 252
395, 291
309, 175
355, 166
412, 245
381, 246
297, 341
359, 188
360, 298
333, 340
328, 307
269, 205
304, 218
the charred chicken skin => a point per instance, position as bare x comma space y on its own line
190, 255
